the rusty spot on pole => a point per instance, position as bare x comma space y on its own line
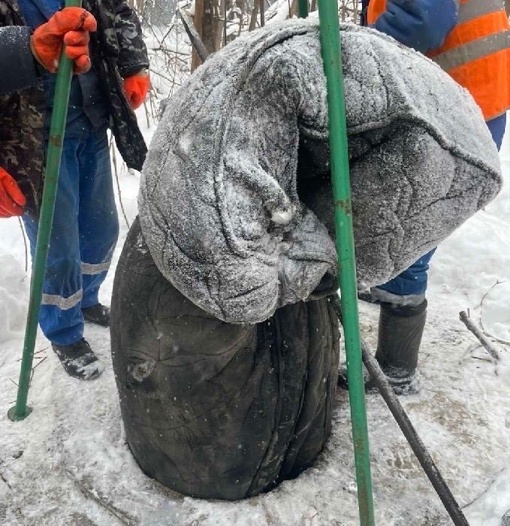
345, 205
55, 140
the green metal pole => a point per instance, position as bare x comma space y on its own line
302, 8
57, 129
332, 57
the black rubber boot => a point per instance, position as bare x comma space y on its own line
400, 333
98, 314
78, 360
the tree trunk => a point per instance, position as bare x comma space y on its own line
208, 23
198, 18
253, 17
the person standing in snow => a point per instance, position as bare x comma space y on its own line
470, 40
85, 225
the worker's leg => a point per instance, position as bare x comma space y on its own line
60, 316
98, 220
401, 324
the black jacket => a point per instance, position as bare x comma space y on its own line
16, 59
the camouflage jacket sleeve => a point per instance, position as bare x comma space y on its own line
16, 60
132, 50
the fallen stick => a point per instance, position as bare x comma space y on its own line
193, 35
418, 447
478, 333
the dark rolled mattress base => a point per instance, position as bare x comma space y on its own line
212, 409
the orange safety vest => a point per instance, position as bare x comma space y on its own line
476, 52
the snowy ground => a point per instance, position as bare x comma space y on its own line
68, 464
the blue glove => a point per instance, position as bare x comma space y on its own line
420, 24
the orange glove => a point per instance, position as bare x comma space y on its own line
12, 200
71, 26
136, 88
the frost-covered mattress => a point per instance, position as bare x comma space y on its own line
235, 202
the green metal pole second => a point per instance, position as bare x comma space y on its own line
332, 58
302, 8
57, 130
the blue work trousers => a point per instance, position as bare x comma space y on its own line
84, 234
409, 287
